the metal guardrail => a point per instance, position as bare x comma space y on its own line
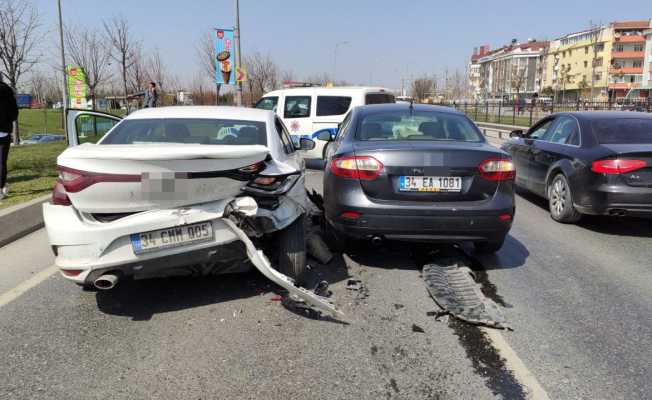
497, 131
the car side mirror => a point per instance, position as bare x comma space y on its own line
516, 134
306, 144
325, 135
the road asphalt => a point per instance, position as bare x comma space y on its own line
579, 299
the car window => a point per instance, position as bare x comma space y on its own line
344, 126
418, 125
267, 103
564, 129
90, 128
623, 130
284, 135
539, 131
297, 107
193, 131
332, 105
379, 98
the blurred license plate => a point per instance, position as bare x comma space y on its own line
430, 184
171, 237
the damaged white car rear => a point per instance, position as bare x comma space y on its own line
179, 191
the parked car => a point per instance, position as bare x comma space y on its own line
309, 111
587, 163
43, 138
160, 193
417, 173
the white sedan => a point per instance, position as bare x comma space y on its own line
177, 191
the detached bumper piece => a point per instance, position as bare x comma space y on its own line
453, 288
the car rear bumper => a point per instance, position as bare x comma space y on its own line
616, 200
460, 221
96, 247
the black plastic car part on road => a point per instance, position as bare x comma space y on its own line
418, 173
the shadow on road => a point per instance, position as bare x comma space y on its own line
513, 254
142, 299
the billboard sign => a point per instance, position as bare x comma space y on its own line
224, 57
77, 88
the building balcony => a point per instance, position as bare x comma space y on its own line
629, 39
626, 70
625, 85
628, 54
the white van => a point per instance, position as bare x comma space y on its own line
307, 111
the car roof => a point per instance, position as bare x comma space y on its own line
393, 107
203, 112
328, 90
593, 115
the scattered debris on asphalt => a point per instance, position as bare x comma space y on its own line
416, 328
321, 289
451, 284
398, 306
354, 284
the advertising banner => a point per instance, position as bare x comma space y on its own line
77, 88
224, 57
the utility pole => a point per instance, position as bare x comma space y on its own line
238, 54
64, 91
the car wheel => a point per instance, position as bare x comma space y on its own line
560, 201
292, 250
489, 247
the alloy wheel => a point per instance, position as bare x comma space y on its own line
558, 197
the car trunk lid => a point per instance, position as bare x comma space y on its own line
138, 177
638, 177
429, 160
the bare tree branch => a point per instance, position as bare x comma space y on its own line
122, 46
421, 87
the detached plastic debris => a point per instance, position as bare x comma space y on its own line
354, 284
453, 288
416, 328
318, 249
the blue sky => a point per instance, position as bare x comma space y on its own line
388, 39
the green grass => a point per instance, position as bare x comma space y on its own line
32, 171
39, 121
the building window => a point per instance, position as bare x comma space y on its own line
563, 54
598, 76
599, 47
586, 50
637, 64
586, 64
568, 67
638, 47
620, 47
597, 62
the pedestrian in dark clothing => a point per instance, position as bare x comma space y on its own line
151, 96
8, 114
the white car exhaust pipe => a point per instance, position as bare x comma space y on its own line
106, 281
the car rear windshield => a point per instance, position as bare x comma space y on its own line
194, 131
623, 130
379, 98
422, 125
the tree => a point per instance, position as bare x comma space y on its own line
122, 47
19, 35
518, 78
421, 87
565, 78
206, 57
583, 85
156, 70
137, 74
595, 39
263, 74
90, 51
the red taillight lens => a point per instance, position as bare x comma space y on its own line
617, 166
350, 215
74, 180
59, 195
497, 169
71, 272
357, 167
265, 180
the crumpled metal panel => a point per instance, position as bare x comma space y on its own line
453, 288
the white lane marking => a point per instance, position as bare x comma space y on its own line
12, 294
516, 365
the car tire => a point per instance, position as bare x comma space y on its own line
560, 201
292, 250
489, 247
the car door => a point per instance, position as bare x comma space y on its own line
554, 146
85, 126
520, 147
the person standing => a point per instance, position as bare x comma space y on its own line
151, 96
8, 114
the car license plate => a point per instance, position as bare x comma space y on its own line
430, 184
171, 237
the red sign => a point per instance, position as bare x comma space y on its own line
220, 34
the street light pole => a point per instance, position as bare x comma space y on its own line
238, 54
338, 44
64, 91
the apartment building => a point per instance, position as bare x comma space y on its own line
511, 70
647, 63
577, 65
626, 73
474, 71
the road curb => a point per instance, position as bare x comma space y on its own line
22, 219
